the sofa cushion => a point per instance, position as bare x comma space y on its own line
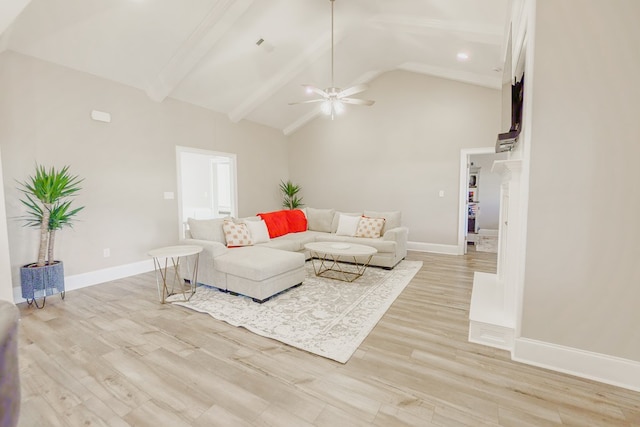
392, 219
283, 245
207, 229
247, 219
347, 225
336, 219
277, 223
297, 221
258, 263
293, 241
236, 234
320, 219
369, 227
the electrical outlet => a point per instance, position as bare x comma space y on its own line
441, 193
106, 252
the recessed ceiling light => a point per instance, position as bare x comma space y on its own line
462, 56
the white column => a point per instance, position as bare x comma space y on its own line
509, 245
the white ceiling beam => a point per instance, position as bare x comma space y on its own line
291, 128
9, 11
210, 30
287, 73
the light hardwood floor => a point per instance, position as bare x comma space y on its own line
111, 355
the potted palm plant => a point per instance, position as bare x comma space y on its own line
48, 204
290, 199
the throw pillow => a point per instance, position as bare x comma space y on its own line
297, 221
258, 231
277, 223
347, 225
236, 234
392, 219
207, 229
336, 219
320, 219
369, 227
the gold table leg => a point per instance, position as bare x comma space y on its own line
330, 263
161, 273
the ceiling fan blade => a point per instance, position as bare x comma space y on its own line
355, 101
313, 89
306, 102
353, 90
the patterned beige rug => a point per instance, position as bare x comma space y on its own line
326, 317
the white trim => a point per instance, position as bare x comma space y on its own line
607, 369
91, 278
491, 335
435, 248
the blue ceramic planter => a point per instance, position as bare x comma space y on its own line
40, 282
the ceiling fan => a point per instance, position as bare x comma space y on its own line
334, 98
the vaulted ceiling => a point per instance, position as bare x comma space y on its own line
206, 52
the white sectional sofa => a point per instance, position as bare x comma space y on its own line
273, 259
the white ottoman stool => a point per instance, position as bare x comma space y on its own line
259, 272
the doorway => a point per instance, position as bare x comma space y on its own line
479, 195
207, 186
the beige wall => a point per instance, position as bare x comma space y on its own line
127, 164
582, 277
398, 153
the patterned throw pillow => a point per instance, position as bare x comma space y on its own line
369, 227
236, 234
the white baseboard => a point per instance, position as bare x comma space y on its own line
594, 366
78, 281
434, 248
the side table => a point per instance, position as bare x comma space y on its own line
175, 254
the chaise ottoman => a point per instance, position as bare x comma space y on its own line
259, 272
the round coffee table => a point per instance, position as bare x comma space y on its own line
340, 261
175, 253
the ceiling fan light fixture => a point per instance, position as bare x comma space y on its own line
333, 98
325, 107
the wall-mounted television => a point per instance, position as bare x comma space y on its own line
507, 140
512, 100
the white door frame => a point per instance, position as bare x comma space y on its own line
234, 179
465, 154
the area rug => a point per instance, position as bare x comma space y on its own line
326, 317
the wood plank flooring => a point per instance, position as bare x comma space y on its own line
111, 355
